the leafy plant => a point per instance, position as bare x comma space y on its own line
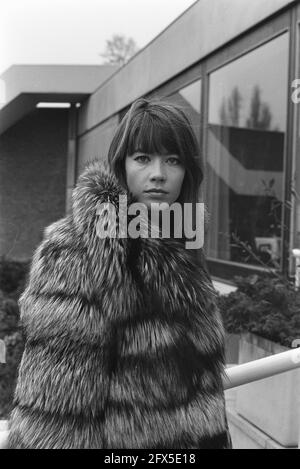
12, 275
12, 283
265, 305
9, 315
8, 373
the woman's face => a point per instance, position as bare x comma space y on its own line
154, 178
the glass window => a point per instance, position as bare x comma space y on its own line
295, 242
189, 98
244, 170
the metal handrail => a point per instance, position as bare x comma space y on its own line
263, 368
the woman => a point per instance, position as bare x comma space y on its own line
125, 346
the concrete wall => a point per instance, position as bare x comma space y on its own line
54, 79
95, 144
33, 156
206, 26
27, 85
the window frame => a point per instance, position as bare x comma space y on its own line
244, 44
296, 140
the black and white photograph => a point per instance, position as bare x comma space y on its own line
150, 227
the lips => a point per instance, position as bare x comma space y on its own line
156, 191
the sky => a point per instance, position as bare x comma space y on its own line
75, 31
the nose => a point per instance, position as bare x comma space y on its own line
158, 170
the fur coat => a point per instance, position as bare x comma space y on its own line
124, 342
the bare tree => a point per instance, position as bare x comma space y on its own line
260, 114
224, 114
119, 50
234, 106
230, 111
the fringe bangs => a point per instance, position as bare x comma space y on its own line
153, 135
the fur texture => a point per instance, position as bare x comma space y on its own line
125, 346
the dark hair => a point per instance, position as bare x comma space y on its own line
158, 127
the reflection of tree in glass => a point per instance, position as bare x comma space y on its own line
230, 112
260, 114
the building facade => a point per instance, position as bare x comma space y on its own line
233, 66
37, 149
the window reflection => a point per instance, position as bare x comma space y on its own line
244, 171
189, 98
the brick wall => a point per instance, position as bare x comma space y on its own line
33, 164
96, 143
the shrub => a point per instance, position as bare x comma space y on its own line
13, 275
8, 373
267, 306
12, 283
9, 315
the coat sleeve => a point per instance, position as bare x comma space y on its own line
64, 372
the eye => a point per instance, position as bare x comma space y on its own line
174, 161
142, 158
